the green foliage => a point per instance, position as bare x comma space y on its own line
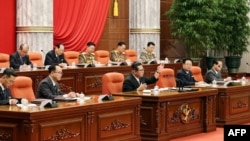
210, 24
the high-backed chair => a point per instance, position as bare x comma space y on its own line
102, 56
196, 70
112, 82
4, 60
71, 56
22, 88
131, 55
166, 78
36, 58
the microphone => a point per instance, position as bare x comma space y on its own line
179, 83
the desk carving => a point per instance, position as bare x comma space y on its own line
62, 134
240, 104
5, 136
115, 125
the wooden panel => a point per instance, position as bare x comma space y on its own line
8, 131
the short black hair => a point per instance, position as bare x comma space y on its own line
186, 59
215, 62
90, 44
121, 43
58, 45
52, 68
150, 43
9, 72
21, 46
135, 65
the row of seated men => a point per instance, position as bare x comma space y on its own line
136, 81
90, 56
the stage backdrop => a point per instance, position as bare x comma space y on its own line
77, 22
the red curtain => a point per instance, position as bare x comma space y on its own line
77, 22
7, 26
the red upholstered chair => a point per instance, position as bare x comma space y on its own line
36, 58
4, 60
112, 83
102, 56
196, 70
166, 78
131, 55
71, 56
22, 88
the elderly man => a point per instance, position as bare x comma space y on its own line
6, 81
56, 56
20, 57
118, 55
148, 55
215, 73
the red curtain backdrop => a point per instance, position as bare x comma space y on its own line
7, 26
77, 22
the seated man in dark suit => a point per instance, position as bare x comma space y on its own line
136, 80
56, 56
215, 73
7, 80
20, 57
185, 75
49, 87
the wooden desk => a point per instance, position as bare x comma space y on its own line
88, 80
233, 105
172, 114
71, 121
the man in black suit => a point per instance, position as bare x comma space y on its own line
136, 80
7, 80
215, 73
56, 56
49, 87
185, 75
20, 57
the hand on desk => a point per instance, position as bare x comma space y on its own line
142, 87
228, 79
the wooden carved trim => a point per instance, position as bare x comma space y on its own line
5, 136
90, 117
62, 134
115, 125
240, 104
97, 83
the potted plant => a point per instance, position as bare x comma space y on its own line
192, 23
235, 13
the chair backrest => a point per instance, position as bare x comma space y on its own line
4, 60
102, 56
36, 58
196, 70
131, 55
71, 56
112, 82
166, 78
22, 88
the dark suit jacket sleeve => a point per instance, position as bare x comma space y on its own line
62, 59
185, 81
14, 61
210, 76
130, 84
46, 90
27, 60
50, 59
5, 101
150, 80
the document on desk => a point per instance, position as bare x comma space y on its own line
63, 98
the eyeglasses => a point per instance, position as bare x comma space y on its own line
59, 72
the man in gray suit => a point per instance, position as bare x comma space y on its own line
49, 87
215, 73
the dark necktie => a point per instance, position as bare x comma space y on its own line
21, 60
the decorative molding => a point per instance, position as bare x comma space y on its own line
240, 104
90, 117
5, 136
144, 30
115, 125
34, 29
62, 134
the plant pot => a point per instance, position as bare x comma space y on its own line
209, 60
196, 60
233, 63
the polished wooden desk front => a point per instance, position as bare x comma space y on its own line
232, 106
173, 114
72, 121
88, 80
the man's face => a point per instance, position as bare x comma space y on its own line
187, 65
57, 74
91, 49
60, 50
121, 48
150, 48
24, 51
218, 66
140, 72
8, 81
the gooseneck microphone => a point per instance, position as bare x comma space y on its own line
179, 83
